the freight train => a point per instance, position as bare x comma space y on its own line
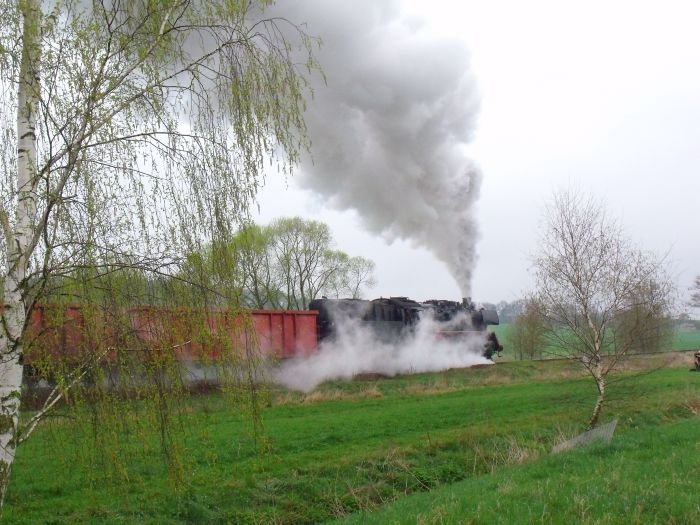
71, 332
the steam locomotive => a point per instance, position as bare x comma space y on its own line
394, 318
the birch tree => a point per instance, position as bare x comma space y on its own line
591, 283
133, 131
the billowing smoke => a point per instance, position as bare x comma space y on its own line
390, 127
358, 349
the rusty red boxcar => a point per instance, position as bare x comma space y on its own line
66, 331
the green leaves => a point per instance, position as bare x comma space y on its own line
283, 265
150, 123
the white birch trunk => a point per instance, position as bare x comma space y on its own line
19, 243
600, 383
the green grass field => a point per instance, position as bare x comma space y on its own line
450, 447
686, 340
680, 341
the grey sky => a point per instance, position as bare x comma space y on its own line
602, 95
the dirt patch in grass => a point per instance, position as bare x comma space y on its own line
370, 376
692, 403
318, 396
429, 389
635, 363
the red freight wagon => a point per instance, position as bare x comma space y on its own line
65, 331
286, 333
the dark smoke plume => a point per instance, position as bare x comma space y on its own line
389, 128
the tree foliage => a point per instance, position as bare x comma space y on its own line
283, 265
132, 132
527, 333
646, 325
601, 296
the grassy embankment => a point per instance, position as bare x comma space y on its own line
477, 439
646, 476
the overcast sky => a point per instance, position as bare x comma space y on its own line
601, 95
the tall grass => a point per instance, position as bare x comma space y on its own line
644, 476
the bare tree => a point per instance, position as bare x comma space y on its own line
589, 279
132, 133
695, 293
353, 276
360, 274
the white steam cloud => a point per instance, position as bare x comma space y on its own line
389, 129
357, 349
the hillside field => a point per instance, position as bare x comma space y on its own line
453, 447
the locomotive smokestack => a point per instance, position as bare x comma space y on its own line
466, 301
